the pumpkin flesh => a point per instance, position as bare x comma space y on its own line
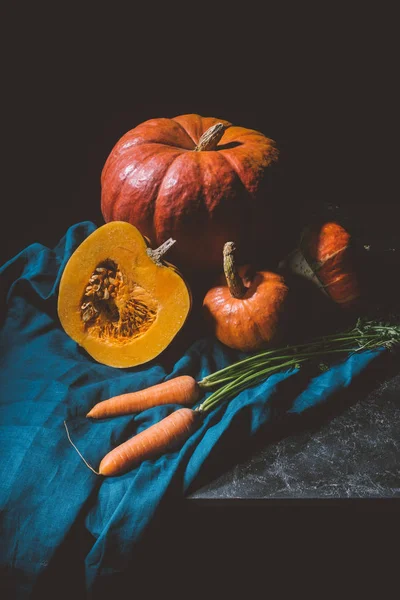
145, 309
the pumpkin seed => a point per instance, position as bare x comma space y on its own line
100, 313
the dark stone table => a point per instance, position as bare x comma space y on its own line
351, 452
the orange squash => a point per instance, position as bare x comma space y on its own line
119, 300
200, 180
325, 257
246, 312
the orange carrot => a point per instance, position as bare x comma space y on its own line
181, 390
167, 434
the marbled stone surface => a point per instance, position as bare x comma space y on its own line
354, 453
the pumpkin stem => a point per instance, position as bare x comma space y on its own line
211, 137
157, 254
233, 279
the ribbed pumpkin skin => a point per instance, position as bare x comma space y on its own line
328, 249
254, 321
155, 180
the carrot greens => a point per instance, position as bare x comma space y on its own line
228, 382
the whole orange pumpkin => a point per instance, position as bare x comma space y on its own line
247, 311
325, 256
200, 180
328, 248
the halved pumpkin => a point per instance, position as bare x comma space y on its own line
118, 300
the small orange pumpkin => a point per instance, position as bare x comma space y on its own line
246, 312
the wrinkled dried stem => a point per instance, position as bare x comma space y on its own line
233, 279
157, 254
211, 137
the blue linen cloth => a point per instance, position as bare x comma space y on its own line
46, 378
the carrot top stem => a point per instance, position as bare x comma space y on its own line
252, 370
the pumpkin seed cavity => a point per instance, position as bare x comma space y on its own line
115, 308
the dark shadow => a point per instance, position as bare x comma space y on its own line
64, 577
229, 145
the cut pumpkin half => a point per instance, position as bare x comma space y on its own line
119, 300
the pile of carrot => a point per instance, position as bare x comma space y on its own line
172, 431
168, 434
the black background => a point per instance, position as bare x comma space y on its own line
321, 83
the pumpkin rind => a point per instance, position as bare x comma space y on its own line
327, 248
325, 257
155, 180
247, 310
252, 322
161, 286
